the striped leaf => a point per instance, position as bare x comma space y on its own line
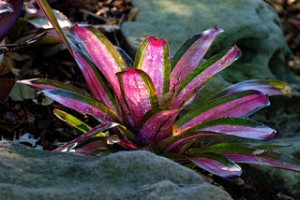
102, 53
268, 87
203, 73
94, 78
240, 104
153, 57
246, 154
82, 144
190, 54
83, 104
139, 95
216, 164
72, 121
245, 128
158, 127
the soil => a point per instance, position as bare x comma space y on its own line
20, 117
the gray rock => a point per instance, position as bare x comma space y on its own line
251, 24
32, 174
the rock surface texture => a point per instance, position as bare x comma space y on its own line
251, 24
32, 174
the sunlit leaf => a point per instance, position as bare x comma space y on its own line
190, 54
72, 121
82, 103
240, 104
158, 127
216, 164
138, 93
102, 53
238, 127
153, 57
203, 73
268, 87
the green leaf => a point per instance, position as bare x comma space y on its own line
72, 121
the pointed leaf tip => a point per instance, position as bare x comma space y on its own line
188, 57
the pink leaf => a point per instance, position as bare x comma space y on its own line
191, 57
158, 127
139, 95
102, 53
198, 79
237, 105
153, 57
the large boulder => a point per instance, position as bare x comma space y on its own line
251, 24
32, 174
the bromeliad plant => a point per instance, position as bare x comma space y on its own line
139, 106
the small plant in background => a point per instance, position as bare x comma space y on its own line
139, 106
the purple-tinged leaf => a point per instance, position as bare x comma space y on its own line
7, 19
158, 127
153, 57
268, 87
237, 105
17, 46
175, 144
102, 53
203, 73
49, 84
72, 121
94, 78
216, 164
83, 104
94, 146
6, 86
190, 54
5, 7
139, 95
45, 7
245, 154
97, 131
238, 127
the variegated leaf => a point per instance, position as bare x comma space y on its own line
153, 57
240, 104
190, 54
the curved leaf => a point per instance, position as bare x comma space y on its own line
158, 127
216, 164
45, 7
268, 87
72, 121
94, 78
82, 103
139, 95
190, 54
203, 73
238, 127
102, 53
245, 154
153, 57
89, 146
240, 104
48, 84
